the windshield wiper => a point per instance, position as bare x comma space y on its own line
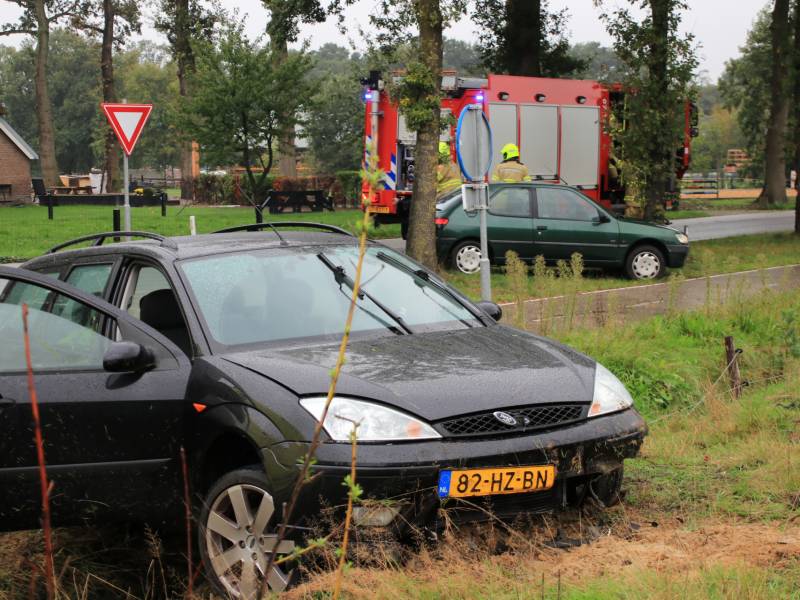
341, 277
425, 277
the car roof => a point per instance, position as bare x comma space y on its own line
171, 249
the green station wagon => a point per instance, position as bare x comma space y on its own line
555, 221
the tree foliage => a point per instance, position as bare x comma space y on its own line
719, 132
744, 87
74, 87
659, 68
524, 37
240, 100
144, 73
335, 124
599, 62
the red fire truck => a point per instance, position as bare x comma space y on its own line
558, 124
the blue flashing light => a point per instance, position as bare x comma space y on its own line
479, 98
368, 96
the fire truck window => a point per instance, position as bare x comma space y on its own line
553, 203
511, 202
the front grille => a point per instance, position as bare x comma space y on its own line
528, 418
505, 506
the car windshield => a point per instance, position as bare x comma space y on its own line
264, 296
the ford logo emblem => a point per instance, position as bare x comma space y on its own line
505, 418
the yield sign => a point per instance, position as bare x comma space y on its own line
127, 121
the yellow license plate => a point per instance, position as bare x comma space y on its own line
379, 209
488, 482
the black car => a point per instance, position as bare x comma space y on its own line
223, 344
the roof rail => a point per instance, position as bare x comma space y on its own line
99, 238
275, 224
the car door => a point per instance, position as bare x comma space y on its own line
509, 223
111, 440
567, 222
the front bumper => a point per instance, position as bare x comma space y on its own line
408, 472
676, 255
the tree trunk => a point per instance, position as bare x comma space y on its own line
111, 166
796, 114
774, 191
185, 58
44, 112
422, 230
287, 163
660, 153
523, 37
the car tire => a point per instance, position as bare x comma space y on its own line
466, 257
606, 488
237, 523
645, 262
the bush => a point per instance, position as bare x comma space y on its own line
350, 183
225, 189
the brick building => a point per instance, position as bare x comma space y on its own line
15, 165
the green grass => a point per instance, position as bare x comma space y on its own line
708, 455
26, 232
708, 257
525, 577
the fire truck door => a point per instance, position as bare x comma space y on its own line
509, 222
566, 222
503, 121
580, 146
538, 140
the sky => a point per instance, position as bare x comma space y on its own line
719, 26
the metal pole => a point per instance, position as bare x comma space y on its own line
486, 281
127, 203
115, 222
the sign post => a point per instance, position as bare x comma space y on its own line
127, 121
474, 153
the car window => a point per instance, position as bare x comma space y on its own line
67, 336
266, 296
553, 203
149, 297
511, 202
91, 279
145, 281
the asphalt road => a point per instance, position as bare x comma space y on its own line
710, 228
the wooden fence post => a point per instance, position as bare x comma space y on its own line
731, 360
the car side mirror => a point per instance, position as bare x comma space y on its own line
128, 357
491, 309
601, 218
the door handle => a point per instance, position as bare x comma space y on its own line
541, 228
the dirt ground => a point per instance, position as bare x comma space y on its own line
612, 551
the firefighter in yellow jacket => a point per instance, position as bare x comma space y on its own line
447, 175
510, 170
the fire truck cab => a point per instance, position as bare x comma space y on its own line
560, 126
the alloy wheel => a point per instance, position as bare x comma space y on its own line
646, 265
239, 543
468, 259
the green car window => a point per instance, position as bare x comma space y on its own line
554, 203
511, 202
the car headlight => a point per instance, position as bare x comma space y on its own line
610, 394
682, 238
376, 423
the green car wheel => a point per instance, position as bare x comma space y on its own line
467, 257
